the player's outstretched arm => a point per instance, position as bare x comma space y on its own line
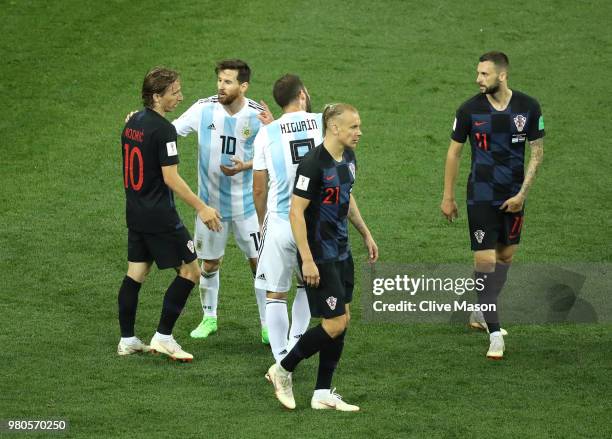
209, 216
515, 204
451, 170
260, 194
310, 271
354, 216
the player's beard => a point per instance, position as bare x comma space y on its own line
491, 90
228, 99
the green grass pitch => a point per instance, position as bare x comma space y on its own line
70, 72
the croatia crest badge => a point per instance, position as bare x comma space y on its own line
331, 302
520, 122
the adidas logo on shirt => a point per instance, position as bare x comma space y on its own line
211, 126
261, 276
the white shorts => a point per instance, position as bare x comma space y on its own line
211, 245
277, 256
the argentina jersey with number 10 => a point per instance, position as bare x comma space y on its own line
279, 147
221, 137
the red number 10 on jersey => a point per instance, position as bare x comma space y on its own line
128, 167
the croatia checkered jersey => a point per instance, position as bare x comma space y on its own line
498, 142
279, 147
220, 137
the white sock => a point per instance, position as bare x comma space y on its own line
162, 337
321, 393
300, 316
209, 293
278, 325
260, 295
128, 340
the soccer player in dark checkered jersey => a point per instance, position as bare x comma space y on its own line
499, 122
321, 204
155, 231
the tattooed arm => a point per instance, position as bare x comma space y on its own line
515, 204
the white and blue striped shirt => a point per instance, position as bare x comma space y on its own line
279, 147
221, 137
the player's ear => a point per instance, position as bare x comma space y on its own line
244, 86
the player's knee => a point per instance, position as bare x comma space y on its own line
277, 296
335, 327
484, 263
211, 265
190, 272
138, 272
504, 254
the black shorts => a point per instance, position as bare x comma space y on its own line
490, 226
335, 289
167, 249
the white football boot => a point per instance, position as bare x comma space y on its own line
133, 346
325, 399
496, 348
171, 348
283, 385
477, 321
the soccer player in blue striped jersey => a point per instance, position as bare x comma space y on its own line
279, 147
227, 124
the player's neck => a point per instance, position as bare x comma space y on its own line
235, 106
334, 148
159, 110
500, 99
292, 108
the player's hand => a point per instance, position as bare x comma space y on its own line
266, 116
239, 166
129, 116
372, 249
449, 209
211, 218
514, 204
310, 273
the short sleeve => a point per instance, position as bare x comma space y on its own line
461, 126
259, 148
189, 121
165, 139
308, 178
536, 122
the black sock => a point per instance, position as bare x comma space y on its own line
174, 302
493, 284
311, 342
496, 284
128, 302
328, 361
488, 298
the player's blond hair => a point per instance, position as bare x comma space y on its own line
331, 111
